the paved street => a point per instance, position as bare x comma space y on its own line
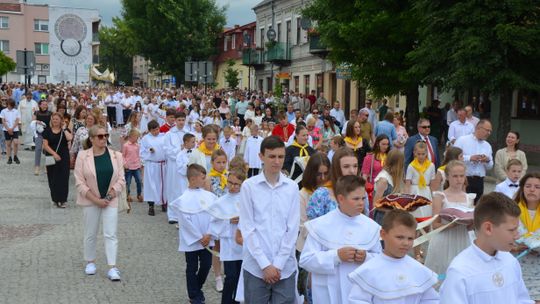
41, 250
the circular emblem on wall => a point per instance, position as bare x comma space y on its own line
71, 31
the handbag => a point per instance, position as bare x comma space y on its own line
49, 159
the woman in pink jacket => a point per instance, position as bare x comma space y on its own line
99, 175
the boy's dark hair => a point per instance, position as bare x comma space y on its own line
271, 143
152, 125
194, 170
397, 217
493, 207
348, 183
170, 112
187, 137
179, 114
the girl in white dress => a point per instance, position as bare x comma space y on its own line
452, 153
246, 133
420, 174
445, 245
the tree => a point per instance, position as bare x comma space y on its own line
6, 64
168, 32
231, 75
116, 50
373, 37
490, 45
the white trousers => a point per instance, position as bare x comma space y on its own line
91, 217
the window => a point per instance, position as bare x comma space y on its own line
4, 46
4, 22
233, 42
279, 32
41, 25
42, 48
528, 105
225, 43
262, 37
306, 84
298, 31
288, 32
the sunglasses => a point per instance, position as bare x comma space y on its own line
315, 112
102, 136
425, 127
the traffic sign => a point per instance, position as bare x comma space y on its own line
30, 65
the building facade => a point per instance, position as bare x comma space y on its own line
144, 75
64, 40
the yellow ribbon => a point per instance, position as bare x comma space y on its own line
353, 143
382, 158
222, 177
443, 168
530, 224
207, 151
421, 168
303, 149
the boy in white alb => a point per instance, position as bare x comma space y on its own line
228, 143
223, 227
338, 242
153, 156
182, 160
393, 276
251, 154
510, 185
486, 272
172, 145
194, 234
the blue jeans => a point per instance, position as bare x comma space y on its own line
198, 265
137, 175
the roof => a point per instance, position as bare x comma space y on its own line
262, 3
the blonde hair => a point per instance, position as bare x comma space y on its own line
395, 162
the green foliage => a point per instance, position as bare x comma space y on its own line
6, 64
116, 50
231, 75
168, 32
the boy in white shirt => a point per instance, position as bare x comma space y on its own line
228, 143
393, 276
251, 154
334, 247
152, 154
510, 185
486, 272
270, 220
194, 234
10, 121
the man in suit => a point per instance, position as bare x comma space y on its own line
424, 127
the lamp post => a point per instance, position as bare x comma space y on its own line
247, 41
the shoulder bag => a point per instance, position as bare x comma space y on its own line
49, 159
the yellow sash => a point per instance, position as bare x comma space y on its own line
207, 151
421, 168
303, 149
443, 168
382, 158
531, 225
222, 177
352, 142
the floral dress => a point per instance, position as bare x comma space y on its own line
216, 189
320, 203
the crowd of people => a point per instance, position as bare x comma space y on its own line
280, 191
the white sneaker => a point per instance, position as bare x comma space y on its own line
113, 274
90, 269
219, 284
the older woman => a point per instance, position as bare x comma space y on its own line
79, 140
502, 156
55, 143
99, 175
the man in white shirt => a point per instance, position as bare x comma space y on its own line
27, 107
478, 156
486, 272
470, 118
269, 224
10, 126
338, 114
451, 115
460, 127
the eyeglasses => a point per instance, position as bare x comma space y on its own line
487, 130
425, 127
102, 136
315, 112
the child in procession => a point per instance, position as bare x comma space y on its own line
510, 185
152, 153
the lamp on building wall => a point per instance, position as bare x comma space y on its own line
247, 41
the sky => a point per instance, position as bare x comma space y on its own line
239, 11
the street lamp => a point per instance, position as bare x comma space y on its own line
247, 40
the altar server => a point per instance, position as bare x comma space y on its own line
251, 154
228, 143
153, 157
393, 276
194, 234
510, 185
334, 247
486, 272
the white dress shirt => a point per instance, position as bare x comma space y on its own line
269, 221
9, 117
472, 146
473, 121
507, 187
458, 129
474, 277
229, 146
339, 115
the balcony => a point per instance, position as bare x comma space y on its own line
253, 57
279, 53
316, 47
